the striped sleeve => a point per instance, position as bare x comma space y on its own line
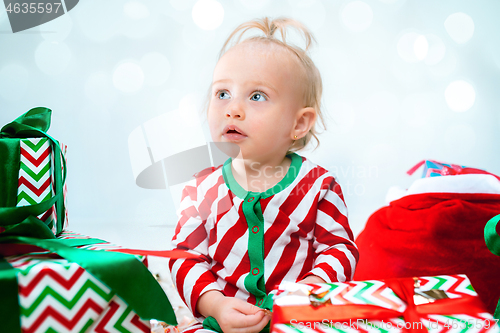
336, 252
192, 277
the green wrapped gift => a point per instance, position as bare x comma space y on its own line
32, 174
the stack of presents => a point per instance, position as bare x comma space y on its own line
429, 259
53, 280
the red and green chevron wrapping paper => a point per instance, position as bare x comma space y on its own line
60, 296
294, 302
36, 177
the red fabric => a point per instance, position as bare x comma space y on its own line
432, 234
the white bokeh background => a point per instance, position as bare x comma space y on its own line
404, 80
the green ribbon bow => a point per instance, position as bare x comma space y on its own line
492, 239
123, 273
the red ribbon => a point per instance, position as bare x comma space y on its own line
10, 249
174, 254
403, 288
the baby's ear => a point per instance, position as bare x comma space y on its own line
306, 117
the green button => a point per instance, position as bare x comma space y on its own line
255, 271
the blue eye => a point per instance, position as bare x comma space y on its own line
258, 97
223, 95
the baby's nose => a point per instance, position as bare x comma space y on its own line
235, 111
233, 114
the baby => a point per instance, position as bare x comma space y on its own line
267, 215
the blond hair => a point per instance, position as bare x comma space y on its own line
313, 84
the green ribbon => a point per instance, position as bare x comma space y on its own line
491, 236
10, 314
33, 123
492, 239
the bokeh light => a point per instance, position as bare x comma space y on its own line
357, 16
460, 96
412, 47
57, 30
208, 14
302, 3
254, 5
14, 81
460, 27
99, 25
136, 10
421, 47
156, 68
437, 49
182, 5
446, 66
52, 57
128, 77
310, 13
138, 21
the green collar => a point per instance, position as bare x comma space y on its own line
240, 192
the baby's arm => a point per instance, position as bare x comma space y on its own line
312, 279
197, 284
336, 253
192, 277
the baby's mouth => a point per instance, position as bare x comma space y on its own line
232, 133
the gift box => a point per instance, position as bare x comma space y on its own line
58, 295
433, 168
423, 304
32, 173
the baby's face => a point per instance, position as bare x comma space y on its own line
257, 91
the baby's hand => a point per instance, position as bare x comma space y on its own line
233, 315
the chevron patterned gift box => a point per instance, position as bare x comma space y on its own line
446, 303
56, 295
32, 175
37, 177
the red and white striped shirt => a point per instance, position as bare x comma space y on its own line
305, 231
